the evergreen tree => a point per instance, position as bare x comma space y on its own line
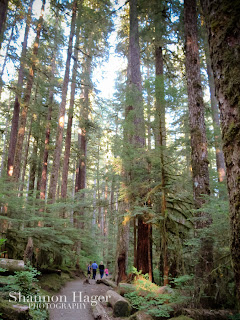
199, 155
222, 23
60, 128
16, 110
3, 15
26, 101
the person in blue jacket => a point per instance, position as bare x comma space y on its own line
94, 269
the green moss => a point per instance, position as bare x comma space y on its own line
12, 313
215, 24
182, 318
53, 282
232, 131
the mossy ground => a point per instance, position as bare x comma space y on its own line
181, 318
53, 282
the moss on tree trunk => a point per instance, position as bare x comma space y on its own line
222, 19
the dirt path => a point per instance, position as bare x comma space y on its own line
70, 303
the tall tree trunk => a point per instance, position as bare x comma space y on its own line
138, 136
43, 182
222, 19
26, 156
33, 166
39, 164
148, 89
82, 135
6, 132
81, 182
122, 245
6, 56
3, 15
70, 116
60, 128
26, 100
82, 143
161, 145
134, 136
98, 185
220, 162
200, 174
16, 110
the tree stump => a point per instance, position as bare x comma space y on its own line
28, 253
121, 307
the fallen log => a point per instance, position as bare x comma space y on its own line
12, 264
99, 312
121, 307
107, 282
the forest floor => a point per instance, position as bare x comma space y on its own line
79, 311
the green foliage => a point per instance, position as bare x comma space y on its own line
235, 317
53, 282
181, 318
183, 282
152, 304
26, 283
147, 297
39, 314
26, 279
2, 241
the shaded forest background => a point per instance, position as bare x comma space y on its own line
136, 179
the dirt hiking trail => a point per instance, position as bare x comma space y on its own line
78, 311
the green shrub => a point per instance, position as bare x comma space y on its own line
25, 279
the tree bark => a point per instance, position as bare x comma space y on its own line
26, 156
200, 174
6, 132
70, 116
142, 246
121, 307
16, 109
122, 246
60, 128
6, 56
3, 15
222, 20
137, 137
160, 146
33, 166
81, 181
26, 100
82, 136
43, 183
220, 162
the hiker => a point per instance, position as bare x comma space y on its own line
106, 272
94, 269
101, 269
89, 268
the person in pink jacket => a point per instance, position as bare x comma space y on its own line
106, 272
